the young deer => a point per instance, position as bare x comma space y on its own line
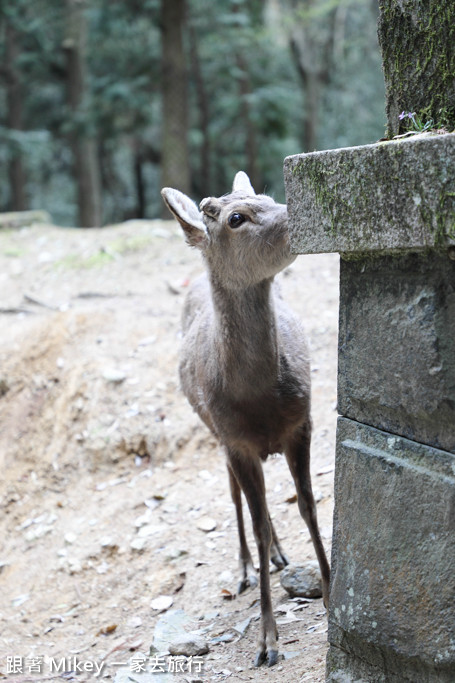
245, 370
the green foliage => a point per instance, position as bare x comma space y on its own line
353, 105
244, 76
420, 123
415, 123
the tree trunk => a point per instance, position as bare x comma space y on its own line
141, 202
175, 171
417, 41
204, 180
313, 48
251, 140
251, 137
16, 172
312, 99
308, 79
85, 152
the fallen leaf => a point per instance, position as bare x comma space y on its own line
107, 630
292, 499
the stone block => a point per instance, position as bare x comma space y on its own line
387, 197
396, 361
391, 616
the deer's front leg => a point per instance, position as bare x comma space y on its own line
247, 470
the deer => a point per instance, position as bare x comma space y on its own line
244, 368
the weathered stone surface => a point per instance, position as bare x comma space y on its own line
189, 645
417, 41
396, 363
391, 614
388, 197
302, 580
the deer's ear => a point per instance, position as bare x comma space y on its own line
188, 215
242, 184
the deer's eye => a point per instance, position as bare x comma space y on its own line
235, 220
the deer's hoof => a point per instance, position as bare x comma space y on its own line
280, 560
270, 656
250, 581
261, 656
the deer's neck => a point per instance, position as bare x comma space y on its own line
245, 333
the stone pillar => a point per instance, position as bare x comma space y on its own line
389, 210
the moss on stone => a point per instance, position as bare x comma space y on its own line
386, 197
417, 39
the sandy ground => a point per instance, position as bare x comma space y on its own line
108, 478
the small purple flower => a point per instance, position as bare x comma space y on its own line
415, 123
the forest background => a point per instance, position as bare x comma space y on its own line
103, 102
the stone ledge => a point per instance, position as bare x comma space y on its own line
385, 198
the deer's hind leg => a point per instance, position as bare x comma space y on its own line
298, 457
247, 470
277, 556
248, 576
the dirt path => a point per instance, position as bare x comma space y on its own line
108, 477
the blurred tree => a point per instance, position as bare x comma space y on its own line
246, 90
203, 182
312, 37
242, 93
181, 93
82, 134
352, 106
14, 117
124, 48
175, 167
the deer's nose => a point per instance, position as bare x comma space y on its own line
209, 207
